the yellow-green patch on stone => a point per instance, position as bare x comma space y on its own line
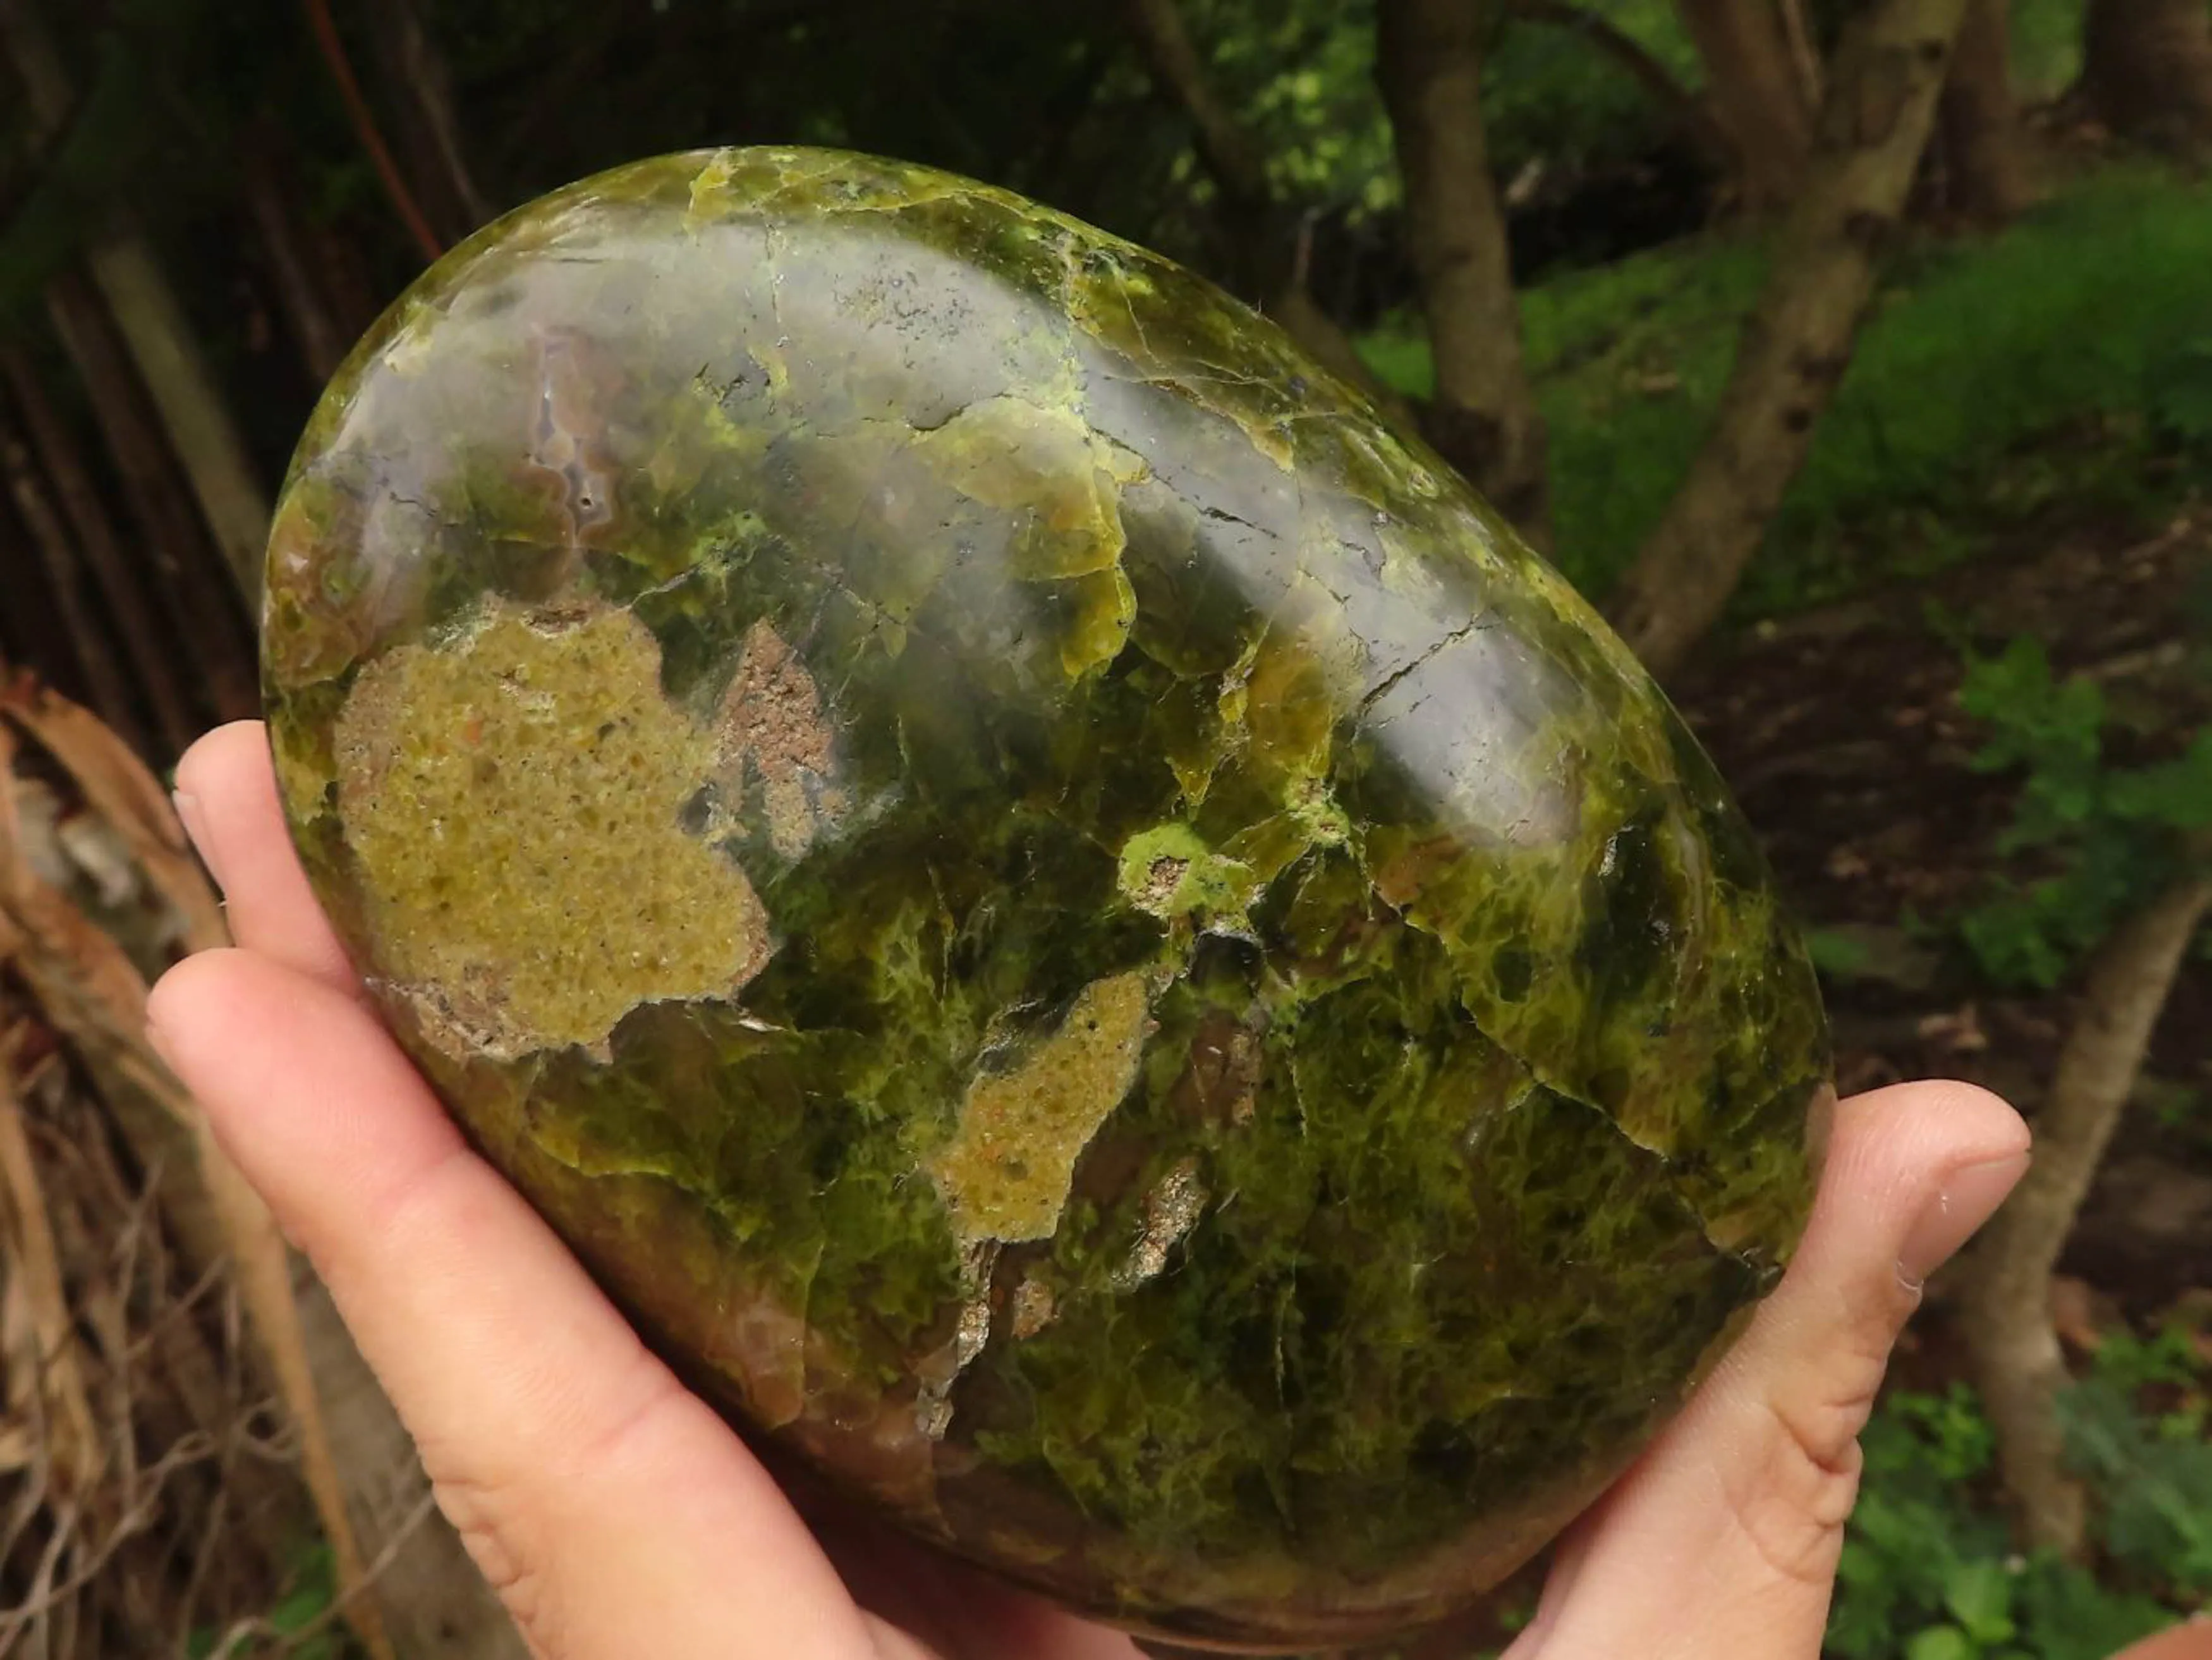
1005, 1171
514, 797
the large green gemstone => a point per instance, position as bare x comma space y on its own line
1072, 927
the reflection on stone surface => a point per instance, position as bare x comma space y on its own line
1075, 929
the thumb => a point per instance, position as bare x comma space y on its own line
1725, 1537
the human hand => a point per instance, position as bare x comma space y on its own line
617, 1517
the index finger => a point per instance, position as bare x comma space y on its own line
226, 798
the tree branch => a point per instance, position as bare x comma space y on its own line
1267, 247
157, 333
154, 659
1794, 349
2006, 1301
110, 683
1483, 419
1231, 154
1683, 107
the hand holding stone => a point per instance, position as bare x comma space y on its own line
618, 1516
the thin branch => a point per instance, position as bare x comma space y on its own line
2006, 1306
1229, 152
124, 588
1803, 52
1265, 255
211, 633
365, 128
109, 682
56, 1362
1684, 107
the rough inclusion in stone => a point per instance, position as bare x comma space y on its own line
1072, 927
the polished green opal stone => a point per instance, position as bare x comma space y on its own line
1071, 925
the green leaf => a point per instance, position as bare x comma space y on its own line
1979, 1595
1941, 1642
1840, 956
2177, 795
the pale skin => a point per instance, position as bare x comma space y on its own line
616, 1516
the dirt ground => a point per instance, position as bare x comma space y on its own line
1841, 733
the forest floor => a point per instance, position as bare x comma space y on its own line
1840, 731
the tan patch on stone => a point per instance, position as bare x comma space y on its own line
512, 795
940, 1370
1171, 1210
1160, 883
1006, 1172
1035, 1308
771, 722
1222, 1080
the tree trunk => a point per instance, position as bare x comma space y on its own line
213, 636
429, 130
148, 651
207, 439
269, 197
2005, 1302
192, 408
1804, 55
2146, 70
112, 694
1756, 89
1984, 143
1483, 419
1265, 243
1874, 123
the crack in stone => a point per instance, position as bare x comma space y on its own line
1390, 680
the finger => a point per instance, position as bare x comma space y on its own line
1725, 1537
227, 797
2190, 1640
954, 1608
614, 1513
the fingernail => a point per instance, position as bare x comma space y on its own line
188, 814
1969, 1196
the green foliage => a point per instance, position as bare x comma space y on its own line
300, 1626
2180, 394
1838, 955
2155, 1469
1549, 96
1302, 74
2101, 837
1928, 1571
1993, 380
1629, 361
2046, 47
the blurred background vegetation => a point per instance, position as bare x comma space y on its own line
1856, 354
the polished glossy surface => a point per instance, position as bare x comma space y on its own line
1074, 928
